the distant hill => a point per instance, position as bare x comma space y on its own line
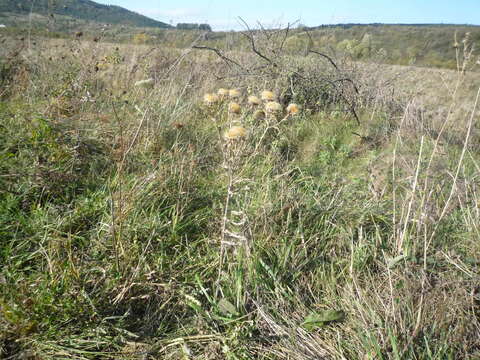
424, 25
80, 9
403, 44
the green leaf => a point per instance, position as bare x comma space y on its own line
316, 320
226, 307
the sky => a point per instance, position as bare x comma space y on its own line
223, 15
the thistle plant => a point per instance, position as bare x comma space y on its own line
238, 146
234, 229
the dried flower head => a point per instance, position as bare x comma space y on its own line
147, 83
210, 99
273, 107
234, 108
233, 93
254, 100
235, 133
267, 95
222, 92
259, 114
293, 109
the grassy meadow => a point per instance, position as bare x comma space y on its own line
170, 203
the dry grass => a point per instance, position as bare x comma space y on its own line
134, 228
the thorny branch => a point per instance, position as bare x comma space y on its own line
336, 84
250, 37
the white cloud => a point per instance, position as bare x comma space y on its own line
176, 13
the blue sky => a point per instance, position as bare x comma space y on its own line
222, 15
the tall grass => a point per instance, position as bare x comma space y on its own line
136, 223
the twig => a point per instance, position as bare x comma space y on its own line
309, 50
252, 42
216, 51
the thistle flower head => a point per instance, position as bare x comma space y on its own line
267, 95
273, 107
293, 109
234, 108
233, 93
222, 92
210, 99
254, 100
235, 133
259, 114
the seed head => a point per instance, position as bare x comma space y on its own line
267, 95
254, 100
235, 133
233, 93
210, 99
259, 115
273, 107
234, 108
222, 92
293, 109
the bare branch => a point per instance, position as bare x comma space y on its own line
351, 82
252, 42
264, 31
326, 57
216, 51
287, 30
309, 50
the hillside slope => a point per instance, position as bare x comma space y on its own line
421, 45
81, 9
